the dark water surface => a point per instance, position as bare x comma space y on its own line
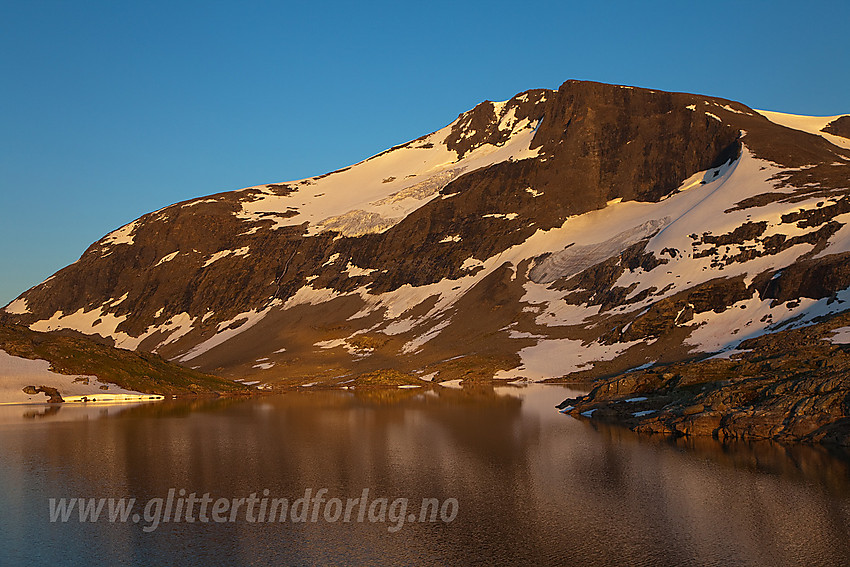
533, 487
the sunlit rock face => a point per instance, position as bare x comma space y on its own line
573, 233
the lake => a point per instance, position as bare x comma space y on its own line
492, 477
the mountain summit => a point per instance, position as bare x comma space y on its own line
575, 233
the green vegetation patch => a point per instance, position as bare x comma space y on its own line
139, 371
388, 377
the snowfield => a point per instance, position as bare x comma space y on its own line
377, 193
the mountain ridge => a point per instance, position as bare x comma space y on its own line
547, 236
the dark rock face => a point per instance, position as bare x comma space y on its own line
840, 127
814, 278
621, 141
665, 315
596, 285
478, 126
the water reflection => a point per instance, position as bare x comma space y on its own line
822, 465
534, 486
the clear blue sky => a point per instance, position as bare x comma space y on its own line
114, 109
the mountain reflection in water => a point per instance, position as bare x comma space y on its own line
534, 487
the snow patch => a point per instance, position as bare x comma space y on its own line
175, 328
308, 295
123, 235
18, 307
575, 259
199, 202
417, 343
841, 336
244, 251
553, 358
94, 321
225, 330
120, 300
377, 193
18, 373
470, 263
355, 271
810, 124
167, 258
643, 413
333, 258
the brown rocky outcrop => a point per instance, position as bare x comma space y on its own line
840, 127
791, 386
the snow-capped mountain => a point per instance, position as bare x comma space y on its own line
581, 232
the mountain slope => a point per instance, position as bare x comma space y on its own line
580, 232
64, 367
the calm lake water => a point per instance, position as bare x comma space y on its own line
532, 486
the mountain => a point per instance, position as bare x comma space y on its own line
572, 234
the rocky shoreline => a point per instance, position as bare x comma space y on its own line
790, 386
